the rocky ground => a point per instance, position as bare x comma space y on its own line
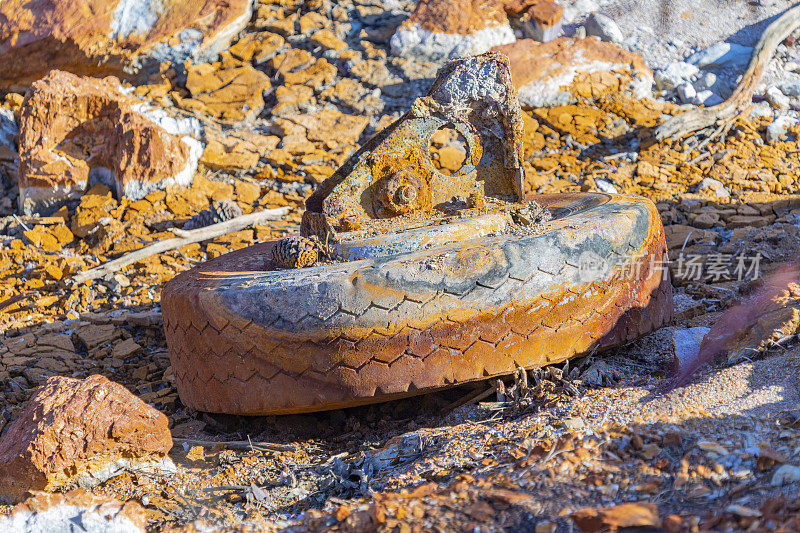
256, 119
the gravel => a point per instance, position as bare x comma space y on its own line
668, 32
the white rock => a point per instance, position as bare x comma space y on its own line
573, 10
741, 510
786, 474
175, 126
777, 129
761, 109
727, 54
604, 27
707, 98
134, 16
67, 518
715, 186
585, 6
706, 81
776, 98
791, 88
686, 92
792, 66
674, 74
8, 129
414, 40
605, 186
686, 343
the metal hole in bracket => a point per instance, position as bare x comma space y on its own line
448, 150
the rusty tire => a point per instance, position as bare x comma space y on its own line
246, 339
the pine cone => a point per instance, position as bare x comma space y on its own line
219, 212
295, 252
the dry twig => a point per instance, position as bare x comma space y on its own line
182, 238
239, 445
697, 119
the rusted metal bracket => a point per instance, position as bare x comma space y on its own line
391, 184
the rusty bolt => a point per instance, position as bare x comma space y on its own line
401, 191
406, 194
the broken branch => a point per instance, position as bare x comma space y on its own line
238, 445
697, 119
182, 238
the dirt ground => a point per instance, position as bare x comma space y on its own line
722, 453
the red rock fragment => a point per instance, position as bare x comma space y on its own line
79, 433
452, 28
559, 71
540, 19
617, 517
75, 131
110, 37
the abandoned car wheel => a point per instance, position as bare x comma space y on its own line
247, 338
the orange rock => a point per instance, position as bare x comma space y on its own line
284, 26
617, 517
257, 47
451, 158
544, 72
312, 21
290, 98
230, 94
451, 28
154, 91
237, 152
546, 13
540, 19
103, 37
298, 67
79, 433
460, 16
330, 125
247, 192
328, 40
74, 131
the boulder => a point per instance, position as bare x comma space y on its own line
78, 433
111, 37
61, 513
75, 132
439, 29
561, 71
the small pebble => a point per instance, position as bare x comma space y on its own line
786, 474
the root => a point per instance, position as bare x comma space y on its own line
705, 117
